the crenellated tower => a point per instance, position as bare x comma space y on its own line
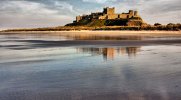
109, 11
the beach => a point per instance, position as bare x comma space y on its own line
90, 65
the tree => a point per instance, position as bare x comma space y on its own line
170, 24
157, 24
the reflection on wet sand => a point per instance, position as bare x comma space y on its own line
110, 53
62, 36
50, 67
97, 37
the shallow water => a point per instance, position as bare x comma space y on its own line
87, 72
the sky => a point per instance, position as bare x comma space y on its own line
47, 13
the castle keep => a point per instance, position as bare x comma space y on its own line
108, 13
109, 18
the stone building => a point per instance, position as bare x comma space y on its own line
108, 17
109, 13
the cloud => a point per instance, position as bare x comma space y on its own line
99, 1
33, 14
162, 11
42, 13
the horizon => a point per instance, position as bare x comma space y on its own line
47, 13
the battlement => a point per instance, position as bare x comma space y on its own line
108, 17
108, 13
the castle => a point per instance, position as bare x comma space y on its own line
110, 18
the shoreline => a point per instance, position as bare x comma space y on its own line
101, 33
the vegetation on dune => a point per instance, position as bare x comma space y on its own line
99, 26
98, 23
157, 24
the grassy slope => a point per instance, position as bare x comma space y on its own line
92, 23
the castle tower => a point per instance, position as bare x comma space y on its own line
131, 13
109, 11
78, 18
135, 13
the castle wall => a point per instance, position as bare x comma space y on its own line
123, 16
102, 17
113, 16
96, 15
108, 13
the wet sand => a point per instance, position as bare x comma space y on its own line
100, 43
100, 38
52, 67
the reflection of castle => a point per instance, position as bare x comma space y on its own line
110, 53
97, 37
131, 51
